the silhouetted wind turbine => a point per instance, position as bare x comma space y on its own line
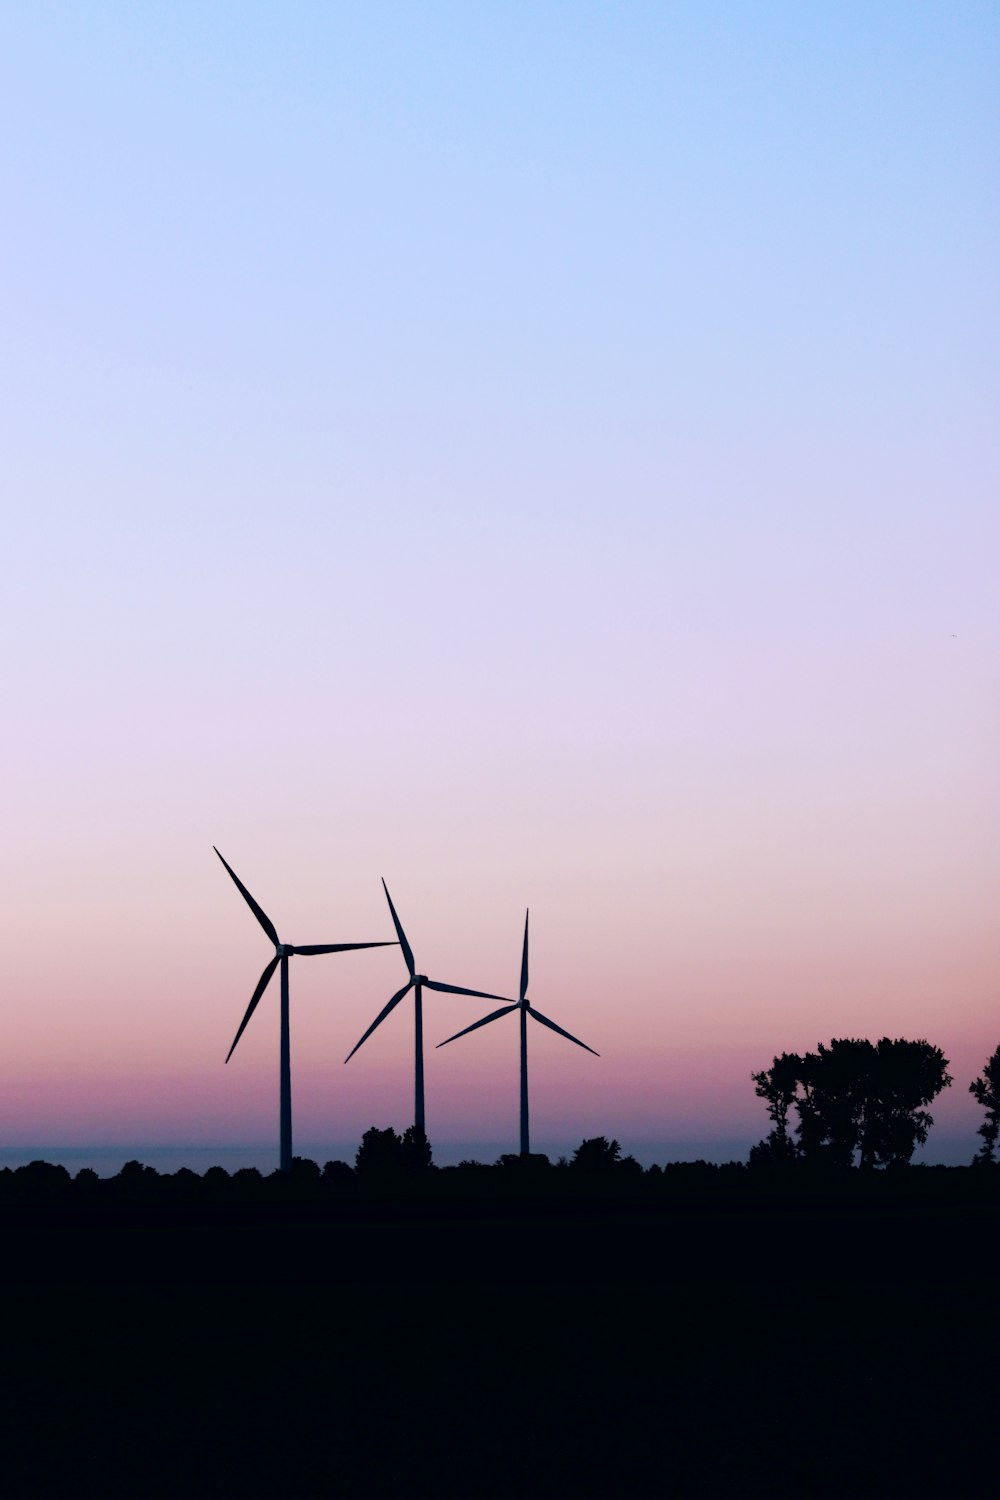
526, 1008
282, 953
418, 983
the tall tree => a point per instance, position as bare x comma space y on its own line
778, 1084
831, 1108
901, 1078
987, 1093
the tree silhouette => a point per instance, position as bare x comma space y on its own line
215, 1181
379, 1154
901, 1077
778, 1085
987, 1093
137, 1183
40, 1181
596, 1155
832, 1104
246, 1184
415, 1150
854, 1099
305, 1174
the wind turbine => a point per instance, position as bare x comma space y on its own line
526, 1008
282, 953
418, 983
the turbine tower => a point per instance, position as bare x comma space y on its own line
526, 1008
418, 983
282, 953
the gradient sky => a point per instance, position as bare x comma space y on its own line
541, 454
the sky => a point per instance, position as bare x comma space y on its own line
544, 455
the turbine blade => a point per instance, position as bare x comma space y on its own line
262, 985
493, 1016
380, 1018
456, 989
259, 913
553, 1027
407, 950
524, 959
312, 948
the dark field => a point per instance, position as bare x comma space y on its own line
747, 1341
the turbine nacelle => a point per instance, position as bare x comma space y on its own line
283, 950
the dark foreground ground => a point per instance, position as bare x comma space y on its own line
763, 1343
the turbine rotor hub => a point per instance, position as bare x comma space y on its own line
283, 950
420, 979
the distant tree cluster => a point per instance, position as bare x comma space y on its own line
383, 1153
385, 1161
856, 1102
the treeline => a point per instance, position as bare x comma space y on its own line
384, 1161
864, 1104
390, 1166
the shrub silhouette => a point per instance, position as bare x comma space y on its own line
987, 1093
535, 1161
